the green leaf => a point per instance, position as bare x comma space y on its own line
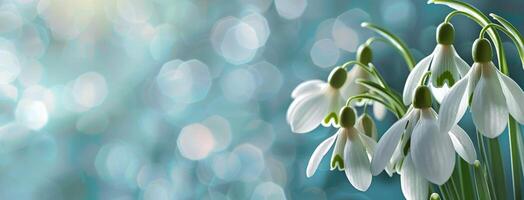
515, 147
395, 41
480, 182
497, 169
465, 180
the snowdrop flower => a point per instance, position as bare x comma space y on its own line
352, 152
419, 150
314, 100
492, 96
444, 63
317, 102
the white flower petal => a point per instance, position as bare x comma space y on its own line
439, 92
431, 150
443, 67
488, 105
307, 112
334, 107
462, 144
454, 105
379, 111
337, 158
462, 66
414, 186
514, 97
318, 154
414, 78
369, 144
357, 162
386, 146
351, 87
307, 87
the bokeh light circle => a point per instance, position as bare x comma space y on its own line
195, 142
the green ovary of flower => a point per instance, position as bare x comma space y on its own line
337, 78
446, 76
330, 116
337, 161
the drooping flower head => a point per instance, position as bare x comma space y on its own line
419, 150
445, 65
491, 94
314, 100
317, 102
352, 152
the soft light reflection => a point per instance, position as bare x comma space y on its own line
290, 9
31, 113
184, 81
90, 89
195, 142
9, 67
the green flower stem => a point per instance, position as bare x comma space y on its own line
481, 19
514, 147
453, 188
444, 191
483, 192
376, 99
484, 156
497, 168
384, 92
465, 180
394, 41
515, 34
515, 38
371, 40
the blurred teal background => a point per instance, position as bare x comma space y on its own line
186, 99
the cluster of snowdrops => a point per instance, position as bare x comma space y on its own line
421, 145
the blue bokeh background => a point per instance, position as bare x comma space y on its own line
186, 99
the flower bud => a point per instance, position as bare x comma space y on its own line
445, 34
482, 50
368, 126
347, 117
364, 54
337, 78
422, 98
434, 196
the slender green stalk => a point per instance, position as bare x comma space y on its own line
453, 187
394, 41
484, 156
466, 183
482, 188
497, 169
445, 192
516, 172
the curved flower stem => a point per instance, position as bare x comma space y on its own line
371, 40
394, 41
516, 36
376, 99
477, 16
